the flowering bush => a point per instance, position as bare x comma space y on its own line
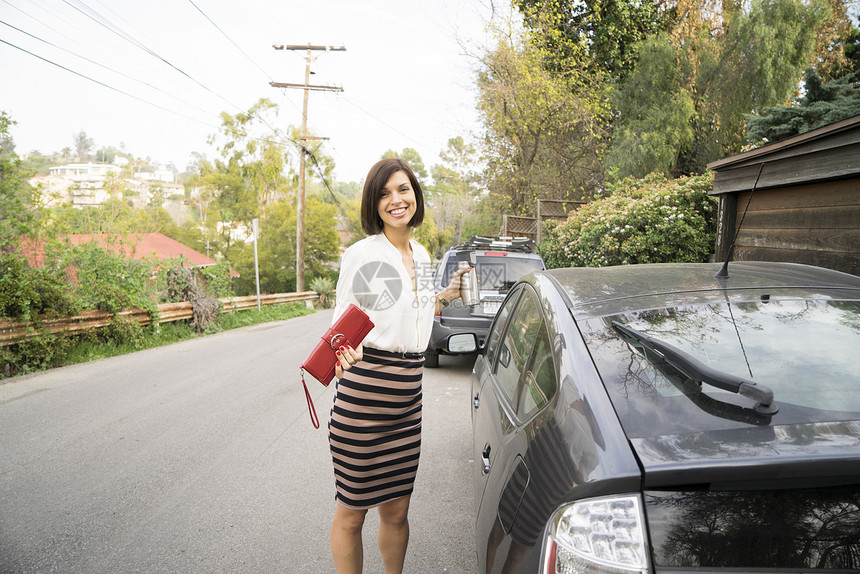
653, 220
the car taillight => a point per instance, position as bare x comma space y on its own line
495, 253
597, 536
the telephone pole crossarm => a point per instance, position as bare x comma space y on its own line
305, 86
309, 47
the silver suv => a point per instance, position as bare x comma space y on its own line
501, 262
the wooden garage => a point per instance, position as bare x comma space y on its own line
806, 204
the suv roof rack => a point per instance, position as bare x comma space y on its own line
521, 244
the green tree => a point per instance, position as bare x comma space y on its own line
458, 172
156, 197
224, 203
435, 240
255, 151
83, 145
729, 60
20, 207
608, 30
413, 159
657, 113
118, 218
850, 45
822, 104
253, 171
456, 191
36, 162
543, 126
276, 250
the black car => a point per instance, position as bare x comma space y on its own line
656, 418
501, 262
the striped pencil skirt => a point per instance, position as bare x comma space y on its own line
375, 430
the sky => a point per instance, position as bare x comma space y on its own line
167, 69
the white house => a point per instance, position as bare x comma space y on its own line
85, 171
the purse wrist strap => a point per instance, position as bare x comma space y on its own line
311, 410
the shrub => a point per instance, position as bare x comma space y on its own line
654, 220
324, 287
27, 292
218, 278
110, 282
44, 351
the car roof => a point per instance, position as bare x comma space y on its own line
600, 291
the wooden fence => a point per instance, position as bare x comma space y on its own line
547, 209
13, 331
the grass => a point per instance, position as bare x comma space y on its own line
121, 339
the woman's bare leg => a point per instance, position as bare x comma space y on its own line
346, 546
394, 534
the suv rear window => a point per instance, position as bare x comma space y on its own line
497, 272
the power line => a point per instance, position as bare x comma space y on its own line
102, 83
231, 40
108, 68
129, 38
358, 232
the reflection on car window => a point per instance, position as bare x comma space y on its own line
516, 346
539, 383
803, 350
499, 326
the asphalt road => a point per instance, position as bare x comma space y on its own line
200, 457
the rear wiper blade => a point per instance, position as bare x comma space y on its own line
698, 371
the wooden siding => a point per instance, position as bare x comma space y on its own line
781, 170
816, 224
828, 153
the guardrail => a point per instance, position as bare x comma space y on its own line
13, 330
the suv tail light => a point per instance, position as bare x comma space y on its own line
599, 536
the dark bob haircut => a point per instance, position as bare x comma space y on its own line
376, 179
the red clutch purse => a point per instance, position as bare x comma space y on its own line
349, 330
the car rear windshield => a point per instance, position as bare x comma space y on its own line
775, 530
498, 272
805, 351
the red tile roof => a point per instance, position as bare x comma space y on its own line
133, 245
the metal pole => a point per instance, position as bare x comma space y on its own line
300, 211
256, 227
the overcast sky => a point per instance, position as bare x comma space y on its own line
406, 77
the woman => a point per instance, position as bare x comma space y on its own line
375, 425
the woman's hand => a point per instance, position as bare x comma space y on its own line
454, 286
346, 357
452, 291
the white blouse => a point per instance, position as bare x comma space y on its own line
374, 278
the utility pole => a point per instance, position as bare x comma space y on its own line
300, 209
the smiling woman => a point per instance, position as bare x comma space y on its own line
375, 427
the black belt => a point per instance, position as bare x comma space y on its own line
393, 355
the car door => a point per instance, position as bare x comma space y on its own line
486, 408
502, 475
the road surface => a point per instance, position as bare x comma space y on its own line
200, 457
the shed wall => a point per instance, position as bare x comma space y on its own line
816, 224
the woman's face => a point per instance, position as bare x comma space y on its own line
397, 201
